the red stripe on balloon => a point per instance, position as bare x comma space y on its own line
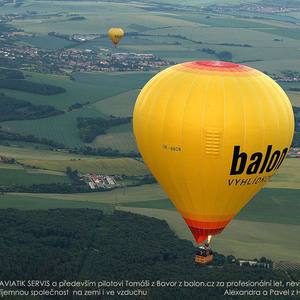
202, 229
207, 224
220, 66
201, 234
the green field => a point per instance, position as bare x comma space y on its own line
146, 192
288, 175
48, 42
86, 88
61, 128
59, 161
109, 166
9, 176
267, 206
115, 93
29, 153
294, 98
240, 238
28, 203
119, 137
120, 105
268, 226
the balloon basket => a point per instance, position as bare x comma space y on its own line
204, 255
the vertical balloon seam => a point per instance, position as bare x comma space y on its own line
172, 185
222, 142
139, 109
248, 194
173, 75
146, 89
254, 190
152, 104
214, 77
276, 113
182, 161
255, 82
288, 111
237, 207
201, 119
284, 105
225, 130
239, 85
202, 113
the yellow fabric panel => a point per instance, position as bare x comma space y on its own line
187, 122
116, 34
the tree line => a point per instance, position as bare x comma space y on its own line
78, 244
31, 87
90, 128
16, 109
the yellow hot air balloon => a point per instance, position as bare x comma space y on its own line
116, 34
212, 134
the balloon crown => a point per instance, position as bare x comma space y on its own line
211, 65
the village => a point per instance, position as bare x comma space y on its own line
97, 181
85, 60
260, 7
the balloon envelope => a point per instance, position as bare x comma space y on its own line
116, 34
212, 134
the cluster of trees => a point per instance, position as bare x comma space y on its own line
11, 136
10, 74
236, 45
61, 188
77, 18
76, 105
87, 150
15, 109
45, 244
89, 128
31, 87
75, 186
140, 180
222, 55
78, 244
179, 36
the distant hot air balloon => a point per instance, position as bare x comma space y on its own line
116, 34
212, 133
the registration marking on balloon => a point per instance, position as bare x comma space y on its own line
171, 148
212, 134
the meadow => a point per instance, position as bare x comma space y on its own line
27, 202
166, 36
120, 105
176, 36
85, 88
274, 207
119, 137
241, 238
257, 210
109, 166
20, 176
